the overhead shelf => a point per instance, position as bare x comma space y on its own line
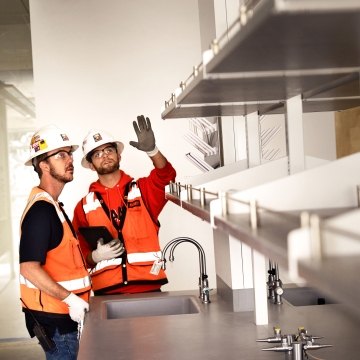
271, 239
175, 111
283, 49
293, 35
225, 97
308, 215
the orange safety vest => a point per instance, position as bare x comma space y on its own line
141, 243
64, 264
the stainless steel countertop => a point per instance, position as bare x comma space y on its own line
215, 333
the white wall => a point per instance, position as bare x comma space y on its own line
99, 64
319, 135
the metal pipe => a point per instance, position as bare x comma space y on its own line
297, 351
189, 192
202, 197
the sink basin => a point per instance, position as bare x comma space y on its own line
156, 306
305, 296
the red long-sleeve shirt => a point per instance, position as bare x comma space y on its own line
152, 190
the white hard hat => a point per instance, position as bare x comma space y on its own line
94, 139
46, 139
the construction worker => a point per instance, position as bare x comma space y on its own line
54, 281
129, 209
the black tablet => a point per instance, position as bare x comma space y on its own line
93, 233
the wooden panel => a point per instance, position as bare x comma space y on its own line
347, 129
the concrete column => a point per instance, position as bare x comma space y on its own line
6, 249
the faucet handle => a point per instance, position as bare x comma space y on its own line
163, 263
205, 295
206, 289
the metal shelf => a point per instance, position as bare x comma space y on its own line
226, 97
270, 238
175, 111
199, 208
285, 48
293, 35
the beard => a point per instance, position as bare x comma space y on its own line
107, 169
64, 178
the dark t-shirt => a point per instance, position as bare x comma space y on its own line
42, 231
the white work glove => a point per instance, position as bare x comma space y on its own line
77, 307
108, 251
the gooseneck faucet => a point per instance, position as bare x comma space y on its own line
204, 290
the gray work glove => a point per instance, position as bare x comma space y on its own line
77, 307
145, 135
108, 251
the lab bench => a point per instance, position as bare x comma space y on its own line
215, 332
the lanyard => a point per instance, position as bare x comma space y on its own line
117, 219
67, 218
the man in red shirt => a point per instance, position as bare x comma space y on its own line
129, 209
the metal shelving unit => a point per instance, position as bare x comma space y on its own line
270, 237
274, 51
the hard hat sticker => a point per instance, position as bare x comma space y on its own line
64, 137
38, 144
97, 137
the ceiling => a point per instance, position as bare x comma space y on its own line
16, 71
15, 39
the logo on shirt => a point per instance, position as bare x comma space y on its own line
132, 204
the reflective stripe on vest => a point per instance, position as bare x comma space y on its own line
50, 199
70, 285
92, 203
134, 193
143, 257
104, 263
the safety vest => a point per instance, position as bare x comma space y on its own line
141, 242
64, 264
